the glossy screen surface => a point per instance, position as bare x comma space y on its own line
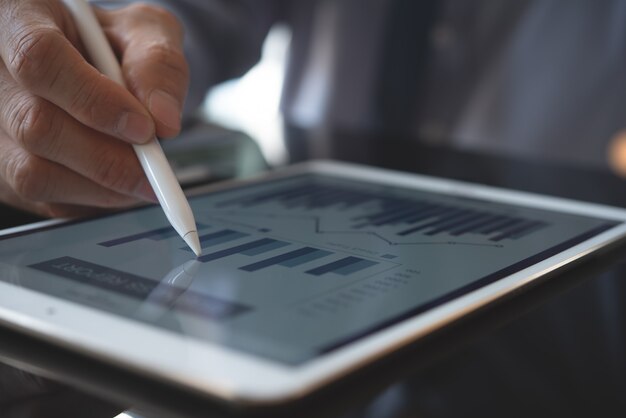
291, 268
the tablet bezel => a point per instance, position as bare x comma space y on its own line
239, 377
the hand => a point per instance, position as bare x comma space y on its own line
66, 130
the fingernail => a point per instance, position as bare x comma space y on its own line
135, 127
165, 108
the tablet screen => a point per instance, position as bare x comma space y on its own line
291, 268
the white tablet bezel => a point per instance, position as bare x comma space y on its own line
239, 377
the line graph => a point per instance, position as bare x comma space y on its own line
396, 220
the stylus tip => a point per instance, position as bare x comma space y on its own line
192, 239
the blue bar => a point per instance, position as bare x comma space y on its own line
439, 219
265, 248
398, 213
478, 225
356, 267
155, 234
456, 222
398, 217
135, 237
516, 230
389, 256
220, 237
501, 225
429, 212
305, 258
451, 217
539, 225
235, 250
385, 209
334, 266
280, 259
172, 233
394, 211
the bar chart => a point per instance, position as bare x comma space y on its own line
247, 244
158, 234
401, 217
306, 262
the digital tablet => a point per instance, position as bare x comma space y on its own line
306, 274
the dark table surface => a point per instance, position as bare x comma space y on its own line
557, 348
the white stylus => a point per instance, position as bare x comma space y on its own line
151, 156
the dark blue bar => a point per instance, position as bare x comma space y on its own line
529, 230
398, 217
501, 225
155, 234
334, 266
235, 250
294, 262
355, 267
389, 217
526, 226
478, 225
429, 212
278, 259
390, 212
464, 220
220, 237
136, 237
452, 214
386, 211
451, 217
172, 233
265, 248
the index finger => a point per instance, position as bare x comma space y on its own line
151, 43
41, 58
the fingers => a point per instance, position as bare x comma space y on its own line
151, 43
38, 180
59, 117
41, 58
41, 131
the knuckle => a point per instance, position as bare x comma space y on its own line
31, 54
35, 125
171, 60
116, 173
147, 10
167, 54
86, 95
29, 179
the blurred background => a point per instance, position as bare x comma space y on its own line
251, 103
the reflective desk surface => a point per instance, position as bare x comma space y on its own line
555, 349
